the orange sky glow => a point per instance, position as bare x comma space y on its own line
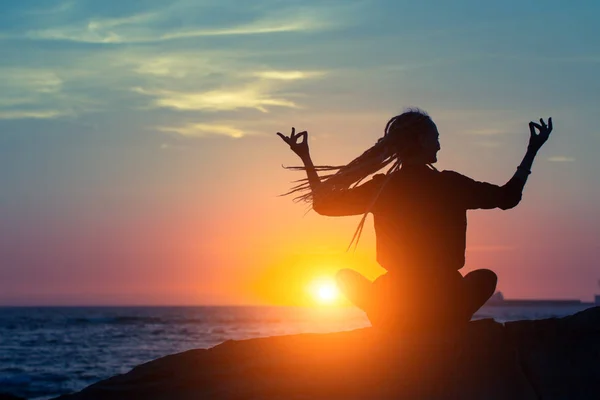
140, 165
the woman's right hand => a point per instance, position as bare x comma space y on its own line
300, 148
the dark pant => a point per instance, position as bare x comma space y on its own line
479, 286
418, 300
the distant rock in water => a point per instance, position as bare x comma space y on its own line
557, 358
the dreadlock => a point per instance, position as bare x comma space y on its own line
400, 140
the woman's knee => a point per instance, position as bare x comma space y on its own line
350, 280
490, 278
343, 273
346, 277
483, 277
354, 286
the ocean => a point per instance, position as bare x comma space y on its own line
49, 351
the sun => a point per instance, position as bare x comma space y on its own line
325, 291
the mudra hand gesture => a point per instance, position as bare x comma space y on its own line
300, 148
536, 140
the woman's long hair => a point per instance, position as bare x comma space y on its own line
399, 141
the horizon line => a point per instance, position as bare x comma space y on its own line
163, 305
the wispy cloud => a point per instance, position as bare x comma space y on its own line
561, 159
115, 30
157, 26
259, 27
30, 93
179, 64
29, 81
251, 96
182, 75
32, 114
45, 93
182, 80
173, 67
288, 75
201, 129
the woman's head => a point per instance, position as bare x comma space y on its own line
413, 137
409, 138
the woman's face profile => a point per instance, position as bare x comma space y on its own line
429, 139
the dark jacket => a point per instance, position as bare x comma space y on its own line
420, 215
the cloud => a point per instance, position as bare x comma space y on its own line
182, 64
288, 75
258, 27
215, 100
164, 25
201, 129
33, 114
212, 75
30, 93
83, 80
164, 67
560, 159
28, 81
99, 30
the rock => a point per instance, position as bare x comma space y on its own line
547, 359
560, 357
8, 396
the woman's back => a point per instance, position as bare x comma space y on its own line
420, 222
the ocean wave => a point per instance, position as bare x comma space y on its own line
139, 320
117, 320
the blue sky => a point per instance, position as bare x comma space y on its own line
118, 117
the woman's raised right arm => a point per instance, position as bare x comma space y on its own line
353, 201
301, 149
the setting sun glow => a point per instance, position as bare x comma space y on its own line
325, 291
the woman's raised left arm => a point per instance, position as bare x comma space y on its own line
486, 195
536, 141
514, 187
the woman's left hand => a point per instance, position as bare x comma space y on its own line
537, 140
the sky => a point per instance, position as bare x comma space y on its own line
139, 162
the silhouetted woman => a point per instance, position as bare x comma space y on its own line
420, 218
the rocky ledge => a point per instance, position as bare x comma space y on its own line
556, 358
